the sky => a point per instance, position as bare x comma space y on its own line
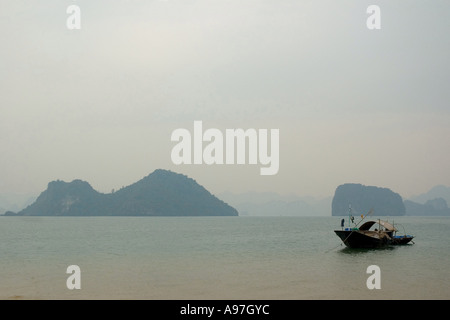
100, 103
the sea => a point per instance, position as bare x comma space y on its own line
196, 258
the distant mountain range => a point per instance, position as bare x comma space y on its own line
432, 203
435, 207
15, 202
439, 191
162, 193
167, 193
362, 199
274, 204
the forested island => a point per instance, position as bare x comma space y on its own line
360, 199
162, 193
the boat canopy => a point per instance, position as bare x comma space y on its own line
385, 224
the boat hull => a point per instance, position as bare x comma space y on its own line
358, 239
402, 240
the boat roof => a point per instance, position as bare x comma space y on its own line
385, 224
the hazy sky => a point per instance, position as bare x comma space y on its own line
351, 104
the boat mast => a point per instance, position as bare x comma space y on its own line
349, 214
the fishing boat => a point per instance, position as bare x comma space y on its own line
371, 234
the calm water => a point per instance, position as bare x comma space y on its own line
215, 258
